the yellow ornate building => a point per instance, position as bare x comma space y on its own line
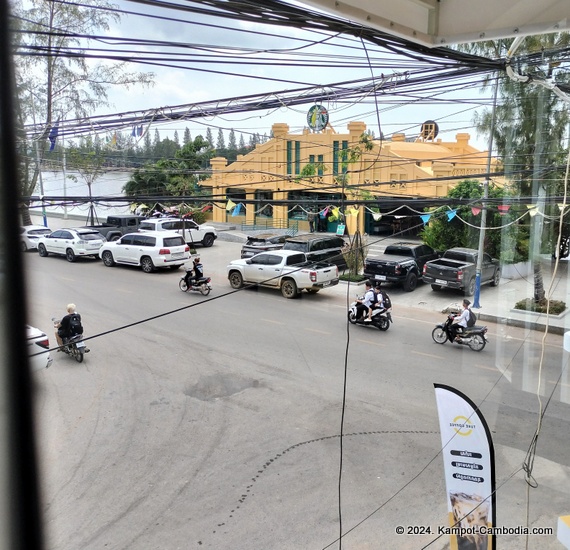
312, 170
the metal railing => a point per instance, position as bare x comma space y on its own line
287, 227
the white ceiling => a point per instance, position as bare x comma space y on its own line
438, 22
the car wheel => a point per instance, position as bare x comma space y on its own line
411, 282
70, 255
439, 335
147, 265
108, 259
208, 240
42, 251
470, 288
236, 280
23, 246
477, 342
289, 288
497, 278
436, 287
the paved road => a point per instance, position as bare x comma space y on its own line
217, 426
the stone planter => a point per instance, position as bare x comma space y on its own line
519, 270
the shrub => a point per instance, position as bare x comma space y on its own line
529, 304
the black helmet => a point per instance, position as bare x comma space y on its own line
466, 302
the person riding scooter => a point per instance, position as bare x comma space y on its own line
363, 306
460, 322
196, 273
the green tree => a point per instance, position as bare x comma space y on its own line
209, 137
187, 137
530, 125
462, 230
220, 143
55, 85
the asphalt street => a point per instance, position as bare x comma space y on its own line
214, 422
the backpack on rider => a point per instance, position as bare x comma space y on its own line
472, 319
75, 326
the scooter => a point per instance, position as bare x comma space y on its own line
381, 318
475, 337
201, 285
74, 346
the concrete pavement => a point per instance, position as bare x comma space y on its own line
497, 303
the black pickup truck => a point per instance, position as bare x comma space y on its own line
401, 263
117, 226
457, 269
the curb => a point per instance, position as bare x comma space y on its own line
521, 323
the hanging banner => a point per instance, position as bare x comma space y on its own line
451, 215
425, 218
340, 229
237, 210
469, 465
503, 208
475, 211
377, 216
532, 209
230, 204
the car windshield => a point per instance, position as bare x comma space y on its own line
44, 231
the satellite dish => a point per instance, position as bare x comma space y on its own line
429, 130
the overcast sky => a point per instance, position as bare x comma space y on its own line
199, 81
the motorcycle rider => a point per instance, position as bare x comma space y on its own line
363, 306
378, 302
69, 326
194, 274
460, 322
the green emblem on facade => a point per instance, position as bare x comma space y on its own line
317, 118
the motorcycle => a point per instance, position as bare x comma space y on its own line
73, 346
381, 318
475, 337
201, 285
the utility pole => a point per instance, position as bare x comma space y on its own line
481, 248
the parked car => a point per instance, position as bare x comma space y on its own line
149, 250
401, 263
262, 243
71, 243
318, 248
38, 342
192, 232
29, 235
118, 225
457, 269
284, 269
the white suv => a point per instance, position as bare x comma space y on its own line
193, 233
71, 243
38, 346
150, 250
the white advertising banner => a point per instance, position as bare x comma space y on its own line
469, 465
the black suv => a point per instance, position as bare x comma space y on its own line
262, 243
318, 248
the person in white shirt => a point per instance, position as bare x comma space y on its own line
364, 304
460, 322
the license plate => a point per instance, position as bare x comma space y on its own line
380, 277
327, 283
80, 344
177, 255
440, 282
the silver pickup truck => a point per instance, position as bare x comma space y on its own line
287, 270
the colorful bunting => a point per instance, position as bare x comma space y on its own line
377, 216
425, 218
562, 206
503, 208
237, 210
532, 209
451, 214
230, 204
475, 211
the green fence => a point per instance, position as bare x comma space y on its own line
289, 228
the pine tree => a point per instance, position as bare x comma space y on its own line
220, 143
209, 137
187, 137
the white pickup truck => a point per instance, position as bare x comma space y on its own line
193, 233
287, 270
